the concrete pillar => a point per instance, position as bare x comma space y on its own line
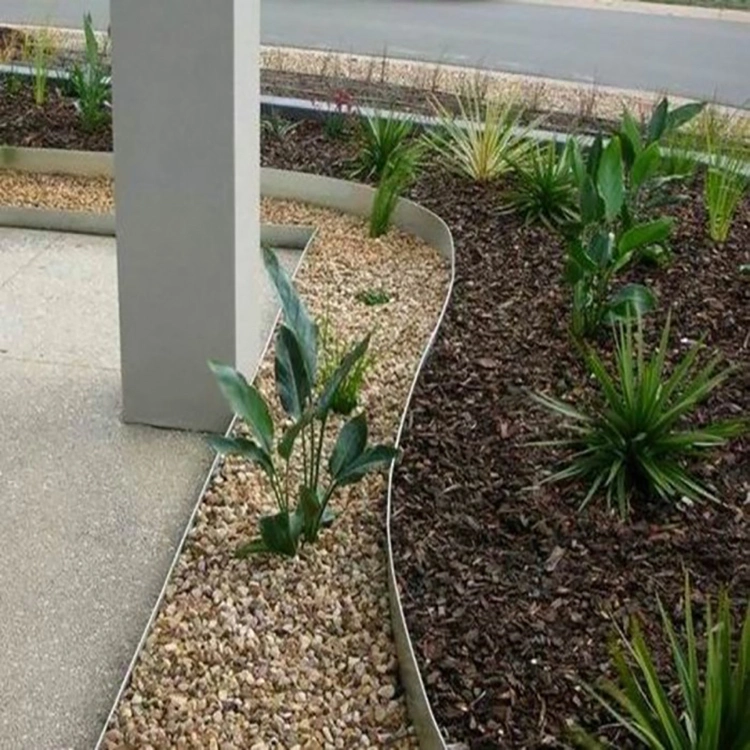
187, 175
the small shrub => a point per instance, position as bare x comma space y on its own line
307, 400
278, 127
333, 353
634, 447
708, 709
727, 182
373, 297
383, 142
484, 141
91, 83
546, 190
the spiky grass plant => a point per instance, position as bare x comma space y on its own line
635, 446
546, 188
484, 140
708, 708
383, 141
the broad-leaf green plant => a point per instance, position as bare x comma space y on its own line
545, 190
307, 400
484, 139
707, 709
383, 141
91, 82
593, 261
635, 446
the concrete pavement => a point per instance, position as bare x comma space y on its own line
692, 57
92, 510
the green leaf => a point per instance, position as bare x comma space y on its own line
600, 248
658, 122
280, 533
292, 380
246, 401
630, 135
296, 316
371, 459
351, 442
286, 444
592, 208
309, 506
595, 155
630, 301
242, 447
339, 376
610, 180
646, 165
643, 235
682, 115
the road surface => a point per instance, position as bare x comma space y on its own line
695, 57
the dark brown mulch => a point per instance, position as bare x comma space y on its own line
55, 124
510, 593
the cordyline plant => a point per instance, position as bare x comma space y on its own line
710, 707
302, 509
634, 447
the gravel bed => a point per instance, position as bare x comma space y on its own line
272, 653
62, 192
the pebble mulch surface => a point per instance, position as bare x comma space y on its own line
61, 192
277, 653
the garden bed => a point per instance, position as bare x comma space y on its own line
510, 593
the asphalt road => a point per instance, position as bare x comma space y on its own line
692, 57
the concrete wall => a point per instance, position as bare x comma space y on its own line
187, 181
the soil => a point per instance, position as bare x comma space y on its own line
56, 124
510, 592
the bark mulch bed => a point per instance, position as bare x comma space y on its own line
56, 123
510, 593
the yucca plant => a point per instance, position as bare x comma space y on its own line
484, 140
634, 448
302, 497
727, 181
546, 187
708, 709
383, 141
278, 127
